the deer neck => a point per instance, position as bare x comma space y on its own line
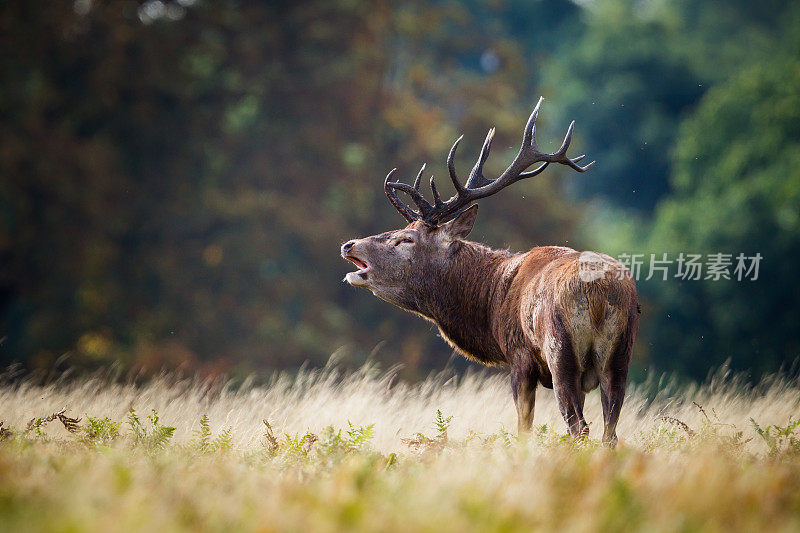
463, 299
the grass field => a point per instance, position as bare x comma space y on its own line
365, 451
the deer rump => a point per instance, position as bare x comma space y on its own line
567, 324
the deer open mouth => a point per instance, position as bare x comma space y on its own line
362, 265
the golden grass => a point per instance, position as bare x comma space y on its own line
690, 459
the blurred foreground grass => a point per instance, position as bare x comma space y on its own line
184, 455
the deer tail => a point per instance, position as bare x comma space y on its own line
597, 306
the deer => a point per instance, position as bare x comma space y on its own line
553, 316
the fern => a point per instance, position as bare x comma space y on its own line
506, 437
203, 434
160, 436
420, 442
204, 442
100, 431
779, 438
331, 441
391, 461
154, 436
37, 424
358, 436
299, 445
442, 424
5, 432
273, 445
223, 441
138, 431
330, 445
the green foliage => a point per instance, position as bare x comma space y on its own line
330, 446
203, 434
36, 425
442, 423
780, 439
300, 445
153, 435
101, 431
358, 436
669, 434
204, 441
422, 443
506, 438
223, 441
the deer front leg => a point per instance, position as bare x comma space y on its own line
524, 379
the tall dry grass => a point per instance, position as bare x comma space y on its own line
691, 459
479, 402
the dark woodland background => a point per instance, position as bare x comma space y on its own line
176, 177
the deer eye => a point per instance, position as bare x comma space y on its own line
398, 242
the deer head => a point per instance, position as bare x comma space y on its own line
403, 266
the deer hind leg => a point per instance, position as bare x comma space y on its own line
570, 402
567, 382
612, 394
612, 384
524, 379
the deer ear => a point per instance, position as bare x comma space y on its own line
459, 227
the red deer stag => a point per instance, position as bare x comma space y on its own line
555, 316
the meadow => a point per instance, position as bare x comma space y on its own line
329, 450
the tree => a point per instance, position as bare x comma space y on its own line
177, 180
629, 78
737, 190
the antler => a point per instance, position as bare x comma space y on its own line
477, 185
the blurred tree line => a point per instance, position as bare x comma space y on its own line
176, 177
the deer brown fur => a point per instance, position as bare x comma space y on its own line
554, 316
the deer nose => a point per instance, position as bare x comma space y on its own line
346, 247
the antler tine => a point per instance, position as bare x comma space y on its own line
529, 134
572, 164
567, 139
559, 156
476, 177
409, 214
437, 201
451, 167
562, 152
422, 204
419, 176
535, 172
540, 168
